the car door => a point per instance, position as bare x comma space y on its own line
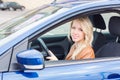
71, 70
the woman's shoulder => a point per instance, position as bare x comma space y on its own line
86, 53
88, 48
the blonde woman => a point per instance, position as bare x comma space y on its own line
81, 32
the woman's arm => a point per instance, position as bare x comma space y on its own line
52, 57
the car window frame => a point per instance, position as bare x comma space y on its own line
73, 17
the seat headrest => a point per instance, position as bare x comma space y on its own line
98, 21
114, 25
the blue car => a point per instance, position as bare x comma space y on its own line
25, 41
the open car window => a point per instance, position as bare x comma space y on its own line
58, 42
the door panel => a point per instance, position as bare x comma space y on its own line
74, 71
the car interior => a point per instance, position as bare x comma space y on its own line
113, 48
99, 38
105, 25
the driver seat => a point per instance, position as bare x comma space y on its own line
111, 49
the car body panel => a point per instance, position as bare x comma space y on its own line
68, 72
5, 60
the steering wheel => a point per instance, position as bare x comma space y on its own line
45, 49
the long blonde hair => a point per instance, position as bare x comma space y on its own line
88, 31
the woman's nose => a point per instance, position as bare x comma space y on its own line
75, 31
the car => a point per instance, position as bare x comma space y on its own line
1, 1
25, 41
11, 6
3, 6
14, 6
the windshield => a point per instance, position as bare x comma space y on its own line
28, 18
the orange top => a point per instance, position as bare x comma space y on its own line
86, 53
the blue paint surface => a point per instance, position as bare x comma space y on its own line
93, 71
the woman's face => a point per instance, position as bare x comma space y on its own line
77, 33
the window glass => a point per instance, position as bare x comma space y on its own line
28, 18
61, 30
107, 17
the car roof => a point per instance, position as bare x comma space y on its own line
72, 3
76, 1
66, 1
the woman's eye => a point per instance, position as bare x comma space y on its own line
80, 29
73, 27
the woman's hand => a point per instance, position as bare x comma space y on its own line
52, 57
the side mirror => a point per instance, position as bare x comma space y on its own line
31, 59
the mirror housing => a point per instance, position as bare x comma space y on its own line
31, 59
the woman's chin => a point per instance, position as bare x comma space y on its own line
74, 40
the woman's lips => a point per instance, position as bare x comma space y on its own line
74, 37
